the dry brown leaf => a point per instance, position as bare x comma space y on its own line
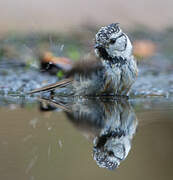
144, 48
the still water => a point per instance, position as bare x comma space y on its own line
86, 139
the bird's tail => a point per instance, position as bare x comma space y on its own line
50, 87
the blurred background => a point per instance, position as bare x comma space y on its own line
61, 15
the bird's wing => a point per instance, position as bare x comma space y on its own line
49, 87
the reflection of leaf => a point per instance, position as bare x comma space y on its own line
60, 74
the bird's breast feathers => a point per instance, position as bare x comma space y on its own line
120, 77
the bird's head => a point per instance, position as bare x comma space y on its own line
109, 151
111, 42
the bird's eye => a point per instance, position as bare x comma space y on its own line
110, 153
112, 41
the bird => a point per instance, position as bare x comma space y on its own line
112, 72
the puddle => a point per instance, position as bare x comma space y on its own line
87, 140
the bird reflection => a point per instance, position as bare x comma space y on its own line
110, 124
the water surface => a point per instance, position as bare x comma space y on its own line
38, 144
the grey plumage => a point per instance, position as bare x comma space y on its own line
113, 72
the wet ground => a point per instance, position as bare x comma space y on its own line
79, 138
15, 79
